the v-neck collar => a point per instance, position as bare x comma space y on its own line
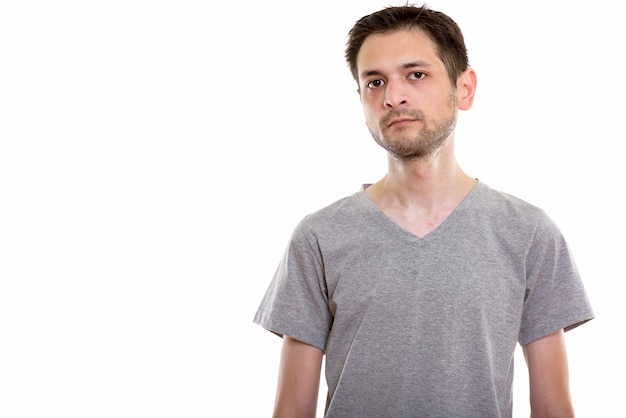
393, 227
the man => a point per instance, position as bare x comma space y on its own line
417, 288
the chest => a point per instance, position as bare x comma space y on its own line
394, 279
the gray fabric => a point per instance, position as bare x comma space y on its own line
424, 327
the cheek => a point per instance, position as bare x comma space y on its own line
372, 110
371, 115
370, 120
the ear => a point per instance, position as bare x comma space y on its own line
466, 88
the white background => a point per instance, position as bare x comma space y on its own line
155, 156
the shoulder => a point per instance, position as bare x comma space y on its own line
337, 214
512, 215
505, 202
507, 206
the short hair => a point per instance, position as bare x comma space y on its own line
442, 30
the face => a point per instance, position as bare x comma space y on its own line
409, 103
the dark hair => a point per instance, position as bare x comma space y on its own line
443, 31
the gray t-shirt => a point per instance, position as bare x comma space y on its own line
424, 327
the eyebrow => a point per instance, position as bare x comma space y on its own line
408, 65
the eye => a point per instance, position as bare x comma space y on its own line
375, 84
417, 75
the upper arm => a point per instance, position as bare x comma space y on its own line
298, 379
548, 377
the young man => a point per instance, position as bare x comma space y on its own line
417, 288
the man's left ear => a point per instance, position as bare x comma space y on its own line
466, 88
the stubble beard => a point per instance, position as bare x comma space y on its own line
427, 142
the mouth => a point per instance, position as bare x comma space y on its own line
400, 122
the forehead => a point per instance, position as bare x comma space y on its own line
392, 49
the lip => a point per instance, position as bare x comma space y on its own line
400, 122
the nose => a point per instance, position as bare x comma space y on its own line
395, 95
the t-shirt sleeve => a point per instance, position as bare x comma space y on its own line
555, 295
296, 301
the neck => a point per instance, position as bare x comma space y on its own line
429, 186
